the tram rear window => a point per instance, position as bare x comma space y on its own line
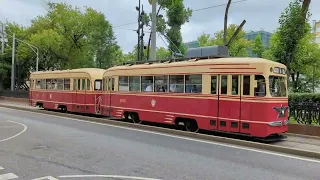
277, 86
97, 85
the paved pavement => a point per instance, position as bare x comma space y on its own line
36, 146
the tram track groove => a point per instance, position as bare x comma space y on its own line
199, 136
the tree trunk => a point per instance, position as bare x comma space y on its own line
226, 23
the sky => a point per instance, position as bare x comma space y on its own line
259, 14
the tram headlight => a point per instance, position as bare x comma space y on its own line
275, 123
285, 122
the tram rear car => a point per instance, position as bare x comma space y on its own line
76, 90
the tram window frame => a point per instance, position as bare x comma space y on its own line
190, 81
224, 90
48, 84
177, 85
216, 84
54, 84
66, 84
256, 78
99, 81
43, 84
60, 84
246, 86
38, 84
235, 90
88, 84
112, 83
79, 84
161, 83
123, 83
75, 84
83, 84
145, 83
135, 83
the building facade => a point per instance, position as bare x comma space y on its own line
192, 44
317, 31
265, 37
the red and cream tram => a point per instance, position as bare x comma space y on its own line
76, 90
238, 95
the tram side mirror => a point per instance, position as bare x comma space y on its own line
255, 83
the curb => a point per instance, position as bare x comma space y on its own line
303, 136
275, 148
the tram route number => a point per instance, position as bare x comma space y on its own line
122, 100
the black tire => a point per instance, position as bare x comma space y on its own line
191, 126
135, 118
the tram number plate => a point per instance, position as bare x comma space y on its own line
122, 100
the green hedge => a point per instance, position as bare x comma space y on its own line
314, 97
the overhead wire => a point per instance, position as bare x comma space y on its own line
194, 10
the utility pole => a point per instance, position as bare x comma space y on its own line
142, 34
2, 35
138, 31
154, 30
12, 63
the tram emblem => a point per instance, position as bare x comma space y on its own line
153, 102
281, 110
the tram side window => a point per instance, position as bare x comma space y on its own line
60, 84
98, 85
246, 85
42, 84
260, 90
75, 84
88, 84
147, 83
235, 84
123, 83
112, 84
105, 84
134, 83
224, 84
66, 84
48, 83
38, 84
214, 84
161, 83
83, 84
193, 83
176, 83
54, 84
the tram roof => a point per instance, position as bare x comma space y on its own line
212, 61
93, 72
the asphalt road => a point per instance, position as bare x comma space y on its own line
35, 146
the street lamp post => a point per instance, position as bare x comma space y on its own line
32, 47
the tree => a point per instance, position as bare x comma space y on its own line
66, 37
257, 46
238, 47
163, 53
79, 37
177, 15
290, 34
305, 64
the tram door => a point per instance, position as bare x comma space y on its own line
108, 95
229, 103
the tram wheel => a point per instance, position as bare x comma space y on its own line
135, 118
191, 126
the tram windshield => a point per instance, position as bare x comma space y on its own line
277, 86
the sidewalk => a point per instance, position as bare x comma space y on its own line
298, 142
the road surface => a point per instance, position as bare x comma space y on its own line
38, 146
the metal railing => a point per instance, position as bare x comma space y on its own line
305, 112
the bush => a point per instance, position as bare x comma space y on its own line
303, 97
